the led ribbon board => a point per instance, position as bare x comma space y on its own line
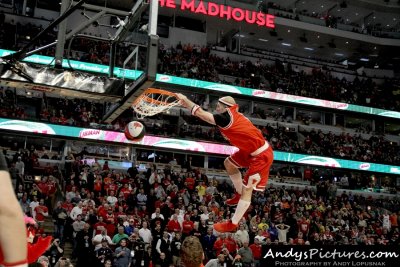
186, 145
133, 74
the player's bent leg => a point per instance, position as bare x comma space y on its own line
232, 168
243, 205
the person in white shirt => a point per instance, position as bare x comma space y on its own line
157, 212
20, 166
78, 225
34, 203
283, 229
160, 192
111, 199
77, 210
97, 239
241, 235
386, 224
205, 214
145, 234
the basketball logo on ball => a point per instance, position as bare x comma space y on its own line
134, 131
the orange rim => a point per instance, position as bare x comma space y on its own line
144, 96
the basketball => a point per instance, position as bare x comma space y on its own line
135, 131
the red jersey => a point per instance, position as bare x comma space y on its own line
187, 226
38, 210
256, 249
241, 132
43, 188
112, 187
98, 184
173, 226
304, 226
190, 182
67, 206
126, 192
98, 227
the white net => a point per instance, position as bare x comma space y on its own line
154, 101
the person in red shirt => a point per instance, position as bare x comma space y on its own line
187, 226
190, 182
41, 212
99, 226
112, 187
42, 185
110, 220
173, 225
299, 240
220, 243
106, 167
256, 249
98, 185
120, 213
231, 244
304, 226
254, 153
108, 180
125, 191
67, 205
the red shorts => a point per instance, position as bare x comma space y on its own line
258, 167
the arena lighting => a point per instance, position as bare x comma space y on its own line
286, 44
309, 48
263, 40
222, 11
364, 59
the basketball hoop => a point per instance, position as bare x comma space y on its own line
153, 101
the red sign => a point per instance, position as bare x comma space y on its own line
222, 11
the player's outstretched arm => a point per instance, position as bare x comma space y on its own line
13, 243
195, 109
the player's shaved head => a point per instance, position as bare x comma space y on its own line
227, 100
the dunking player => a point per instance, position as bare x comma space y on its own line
254, 153
13, 244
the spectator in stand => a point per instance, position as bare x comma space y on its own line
78, 225
99, 238
256, 250
120, 235
241, 235
145, 234
218, 262
176, 244
164, 246
283, 229
208, 242
104, 253
174, 225
246, 255
84, 247
254, 152
192, 252
59, 218
77, 210
122, 255
187, 226
130, 228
